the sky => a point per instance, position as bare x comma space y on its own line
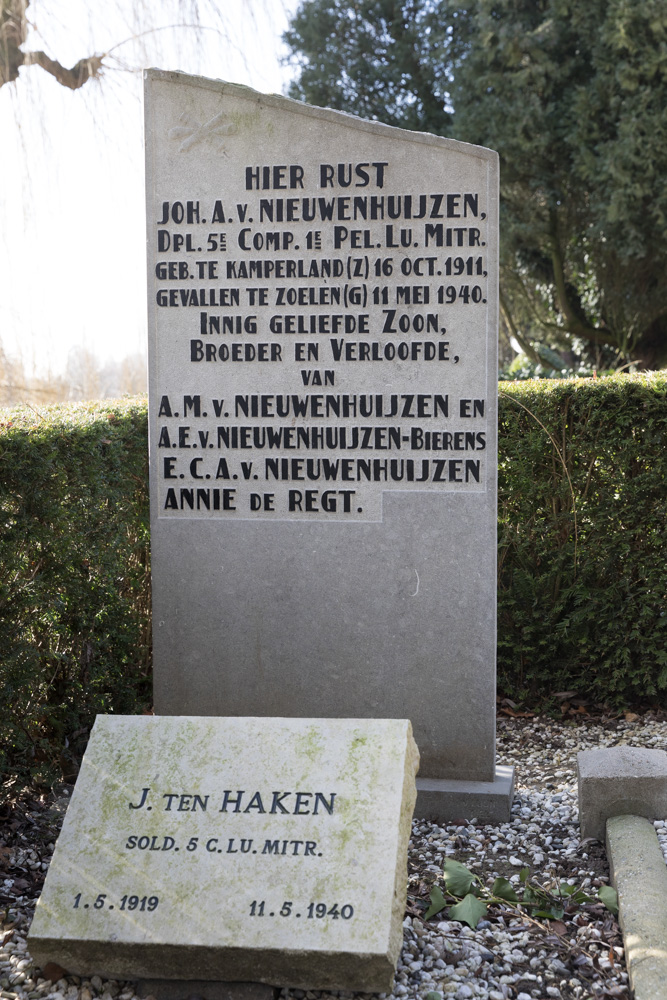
72, 217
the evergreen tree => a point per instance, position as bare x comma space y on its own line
572, 96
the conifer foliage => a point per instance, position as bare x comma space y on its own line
572, 96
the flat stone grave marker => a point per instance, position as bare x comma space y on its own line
322, 407
234, 849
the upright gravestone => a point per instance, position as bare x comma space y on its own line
322, 331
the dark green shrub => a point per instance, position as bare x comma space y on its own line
582, 578
582, 518
74, 579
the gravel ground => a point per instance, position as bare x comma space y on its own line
507, 957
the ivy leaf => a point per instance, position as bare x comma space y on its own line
469, 911
581, 897
533, 897
458, 879
549, 913
524, 875
438, 902
503, 889
541, 905
575, 893
608, 895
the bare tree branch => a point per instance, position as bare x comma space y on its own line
73, 78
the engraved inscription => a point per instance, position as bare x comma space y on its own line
346, 314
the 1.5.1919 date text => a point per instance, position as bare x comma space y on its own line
148, 903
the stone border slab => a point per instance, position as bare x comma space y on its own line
618, 781
639, 873
444, 800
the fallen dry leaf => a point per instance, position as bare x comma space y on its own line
53, 972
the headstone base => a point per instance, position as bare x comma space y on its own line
185, 989
444, 800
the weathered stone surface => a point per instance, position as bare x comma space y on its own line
257, 850
349, 569
618, 781
639, 874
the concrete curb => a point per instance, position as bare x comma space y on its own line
639, 873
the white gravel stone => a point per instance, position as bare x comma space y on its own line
505, 958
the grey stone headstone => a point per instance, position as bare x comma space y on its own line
323, 382
249, 850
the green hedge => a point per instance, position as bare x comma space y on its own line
74, 580
582, 521
582, 587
